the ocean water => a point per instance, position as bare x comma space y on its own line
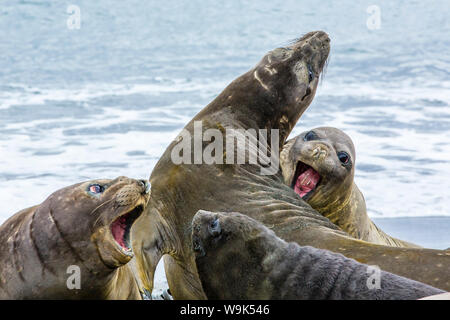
106, 99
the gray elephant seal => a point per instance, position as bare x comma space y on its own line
239, 258
320, 166
83, 228
271, 95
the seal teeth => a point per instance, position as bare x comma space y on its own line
306, 180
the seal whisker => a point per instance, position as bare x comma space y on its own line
101, 215
98, 207
325, 68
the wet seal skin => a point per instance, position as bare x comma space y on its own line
271, 95
84, 230
319, 165
237, 257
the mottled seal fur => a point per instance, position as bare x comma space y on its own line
80, 230
319, 165
239, 258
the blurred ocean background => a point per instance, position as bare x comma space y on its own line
106, 99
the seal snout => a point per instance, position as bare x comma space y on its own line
310, 55
145, 185
131, 198
317, 47
315, 44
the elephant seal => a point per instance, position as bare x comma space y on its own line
228, 243
79, 233
319, 165
271, 96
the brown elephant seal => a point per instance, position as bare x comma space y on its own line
74, 245
239, 258
272, 95
319, 165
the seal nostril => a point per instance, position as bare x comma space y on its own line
308, 92
145, 185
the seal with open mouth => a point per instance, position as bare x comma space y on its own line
83, 229
237, 257
319, 165
271, 95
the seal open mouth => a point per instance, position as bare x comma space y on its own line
305, 180
120, 228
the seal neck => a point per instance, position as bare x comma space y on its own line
250, 106
337, 208
349, 213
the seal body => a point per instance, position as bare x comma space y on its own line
271, 96
319, 165
75, 245
227, 243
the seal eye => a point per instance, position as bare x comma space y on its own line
344, 157
311, 135
214, 224
214, 228
96, 188
310, 74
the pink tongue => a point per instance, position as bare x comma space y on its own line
118, 231
306, 182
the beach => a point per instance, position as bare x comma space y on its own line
428, 232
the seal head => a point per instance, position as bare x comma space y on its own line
122, 201
232, 246
320, 166
87, 226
